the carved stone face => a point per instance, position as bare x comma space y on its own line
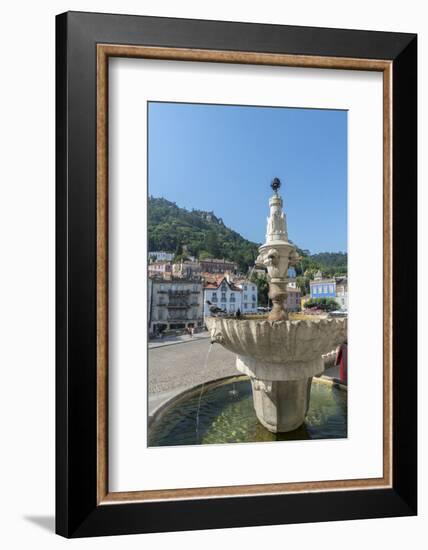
272, 261
272, 257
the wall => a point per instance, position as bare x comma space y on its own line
27, 272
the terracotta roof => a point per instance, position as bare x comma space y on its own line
211, 285
217, 282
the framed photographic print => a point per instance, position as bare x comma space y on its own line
236, 243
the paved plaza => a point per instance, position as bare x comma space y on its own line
175, 367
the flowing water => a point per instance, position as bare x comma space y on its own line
200, 394
225, 414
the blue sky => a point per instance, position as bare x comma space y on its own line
223, 158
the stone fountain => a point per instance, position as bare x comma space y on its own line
278, 355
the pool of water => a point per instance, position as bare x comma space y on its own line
227, 415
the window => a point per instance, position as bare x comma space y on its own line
223, 297
254, 297
331, 289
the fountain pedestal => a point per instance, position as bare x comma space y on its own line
281, 392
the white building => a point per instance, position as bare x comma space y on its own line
223, 294
342, 292
249, 297
161, 256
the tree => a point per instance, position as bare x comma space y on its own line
303, 285
262, 284
178, 252
211, 244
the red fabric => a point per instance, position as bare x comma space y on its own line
342, 361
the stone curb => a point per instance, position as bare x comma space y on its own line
194, 339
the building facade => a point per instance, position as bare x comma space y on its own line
249, 297
342, 292
186, 269
336, 287
223, 294
214, 265
175, 304
161, 267
293, 299
322, 288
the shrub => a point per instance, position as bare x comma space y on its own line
325, 304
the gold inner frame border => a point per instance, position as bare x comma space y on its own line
104, 52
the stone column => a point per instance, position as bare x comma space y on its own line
276, 255
278, 296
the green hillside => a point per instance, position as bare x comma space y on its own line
170, 227
205, 235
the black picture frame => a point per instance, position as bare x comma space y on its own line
77, 512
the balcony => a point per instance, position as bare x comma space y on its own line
179, 292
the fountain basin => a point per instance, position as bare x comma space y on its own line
227, 415
280, 358
278, 342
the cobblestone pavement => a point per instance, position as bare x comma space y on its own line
175, 368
